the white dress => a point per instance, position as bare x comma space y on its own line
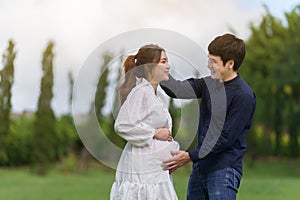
139, 174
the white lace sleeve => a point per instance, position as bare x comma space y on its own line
130, 123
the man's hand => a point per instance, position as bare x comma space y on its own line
179, 159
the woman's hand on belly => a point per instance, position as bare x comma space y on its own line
163, 134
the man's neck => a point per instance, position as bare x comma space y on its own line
229, 77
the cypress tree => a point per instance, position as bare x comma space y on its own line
71, 85
44, 135
6, 82
103, 82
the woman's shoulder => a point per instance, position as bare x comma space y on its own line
140, 91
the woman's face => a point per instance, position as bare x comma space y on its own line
160, 72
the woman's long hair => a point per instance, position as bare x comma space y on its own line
134, 66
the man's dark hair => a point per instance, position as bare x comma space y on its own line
228, 47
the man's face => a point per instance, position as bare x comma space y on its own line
219, 70
215, 65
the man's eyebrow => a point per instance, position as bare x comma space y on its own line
212, 59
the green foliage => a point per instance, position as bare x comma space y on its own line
18, 147
6, 82
102, 84
20, 144
272, 69
185, 122
71, 85
175, 113
69, 163
44, 133
106, 122
66, 136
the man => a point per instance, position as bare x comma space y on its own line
226, 113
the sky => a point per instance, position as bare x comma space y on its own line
78, 27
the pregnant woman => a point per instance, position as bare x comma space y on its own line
144, 121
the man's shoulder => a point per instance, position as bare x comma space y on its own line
241, 89
246, 88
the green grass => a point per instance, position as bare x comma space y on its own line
263, 180
271, 179
20, 184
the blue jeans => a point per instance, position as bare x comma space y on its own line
219, 185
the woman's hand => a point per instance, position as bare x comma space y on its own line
163, 134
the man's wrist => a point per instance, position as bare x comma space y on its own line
187, 157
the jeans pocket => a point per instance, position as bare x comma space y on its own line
233, 179
237, 178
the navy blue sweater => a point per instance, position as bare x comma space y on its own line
225, 117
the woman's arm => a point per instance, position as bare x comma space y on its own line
130, 123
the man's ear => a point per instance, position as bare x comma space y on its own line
229, 64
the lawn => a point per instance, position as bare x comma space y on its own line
270, 179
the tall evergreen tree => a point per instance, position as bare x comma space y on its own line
71, 84
113, 136
6, 82
102, 84
68, 118
44, 134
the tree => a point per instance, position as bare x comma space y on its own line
272, 68
6, 83
112, 135
71, 84
103, 82
107, 122
175, 113
66, 124
44, 135
291, 82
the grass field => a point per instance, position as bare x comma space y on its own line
268, 179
